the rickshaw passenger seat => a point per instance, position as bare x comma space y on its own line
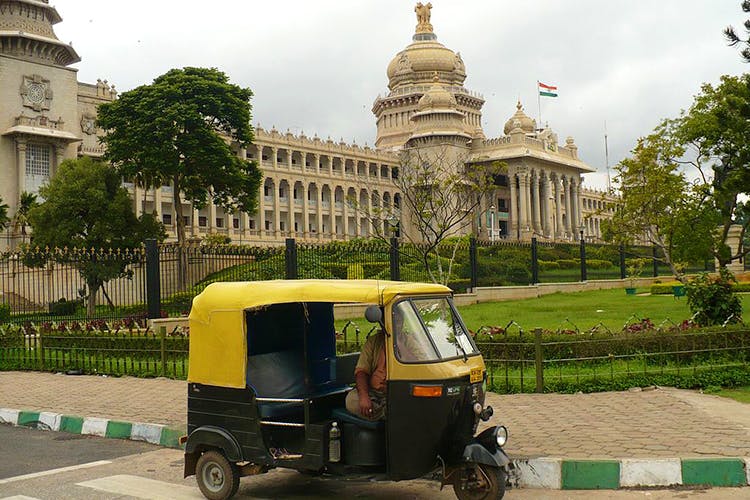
343, 415
281, 375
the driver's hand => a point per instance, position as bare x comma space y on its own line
365, 406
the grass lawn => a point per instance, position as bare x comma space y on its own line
583, 309
741, 394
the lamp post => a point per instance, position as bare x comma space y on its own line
582, 228
584, 276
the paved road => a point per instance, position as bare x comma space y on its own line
158, 475
25, 451
662, 423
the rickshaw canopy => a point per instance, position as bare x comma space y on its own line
218, 340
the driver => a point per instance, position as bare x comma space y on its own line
367, 400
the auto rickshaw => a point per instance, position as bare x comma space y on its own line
266, 388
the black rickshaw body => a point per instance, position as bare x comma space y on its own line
266, 384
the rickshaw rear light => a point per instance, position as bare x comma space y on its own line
427, 391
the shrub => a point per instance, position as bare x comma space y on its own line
712, 300
568, 264
355, 272
548, 265
4, 312
598, 264
63, 307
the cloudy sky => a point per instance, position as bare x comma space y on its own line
317, 66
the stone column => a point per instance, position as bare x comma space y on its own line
21, 168
319, 229
211, 216
276, 208
274, 157
523, 202
305, 211
261, 215
194, 228
568, 205
59, 157
535, 203
514, 222
316, 159
290, 203
289, 155
577, 201
559, 230
157, 203
547, 205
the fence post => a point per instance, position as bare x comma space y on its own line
291, 259
583, 260
40, 348
539, 360
153, 284
656, 262
534, 263
473, 263
163, 349
622, 262
395, 264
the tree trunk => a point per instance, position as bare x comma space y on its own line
91, 299
181, 251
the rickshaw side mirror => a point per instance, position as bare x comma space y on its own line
374, 314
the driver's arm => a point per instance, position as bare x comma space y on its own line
363, 391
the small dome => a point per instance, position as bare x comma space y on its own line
520, 120
437, 97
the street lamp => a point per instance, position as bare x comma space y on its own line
582, 228
393, 223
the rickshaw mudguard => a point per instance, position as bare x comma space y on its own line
209, 436
478, 453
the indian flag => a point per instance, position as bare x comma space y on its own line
547, 90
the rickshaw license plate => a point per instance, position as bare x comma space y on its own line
475, 375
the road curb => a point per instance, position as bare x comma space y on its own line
95, 426
543, 472
556, 473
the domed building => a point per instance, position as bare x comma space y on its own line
314, 189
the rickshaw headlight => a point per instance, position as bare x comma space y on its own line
501, 435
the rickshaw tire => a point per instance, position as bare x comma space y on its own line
497, 478
230, 475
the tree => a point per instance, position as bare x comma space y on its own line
734, 39
185, 129
27, 201
657, 202
690, 218
440, 195
86, 208
715, 131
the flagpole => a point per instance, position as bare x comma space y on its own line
538, 105
606, 156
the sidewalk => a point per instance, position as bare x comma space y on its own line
610, 428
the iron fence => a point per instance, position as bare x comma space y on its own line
153, 281
69, 347
533, 362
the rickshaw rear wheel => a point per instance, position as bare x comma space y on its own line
218, 478
479, 482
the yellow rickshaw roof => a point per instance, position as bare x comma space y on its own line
241, 295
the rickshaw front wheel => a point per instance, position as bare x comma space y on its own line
218, 478
479, 482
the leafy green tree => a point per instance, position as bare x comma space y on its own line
21, 219
87, 208
185, 129
691, 219
712, 300
658, 203
734, 39
715, 131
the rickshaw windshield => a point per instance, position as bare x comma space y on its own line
429, 330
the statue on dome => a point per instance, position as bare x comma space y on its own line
423, 17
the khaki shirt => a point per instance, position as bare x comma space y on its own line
372, 361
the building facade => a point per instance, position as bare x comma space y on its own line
313, 189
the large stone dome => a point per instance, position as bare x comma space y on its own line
418, 62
